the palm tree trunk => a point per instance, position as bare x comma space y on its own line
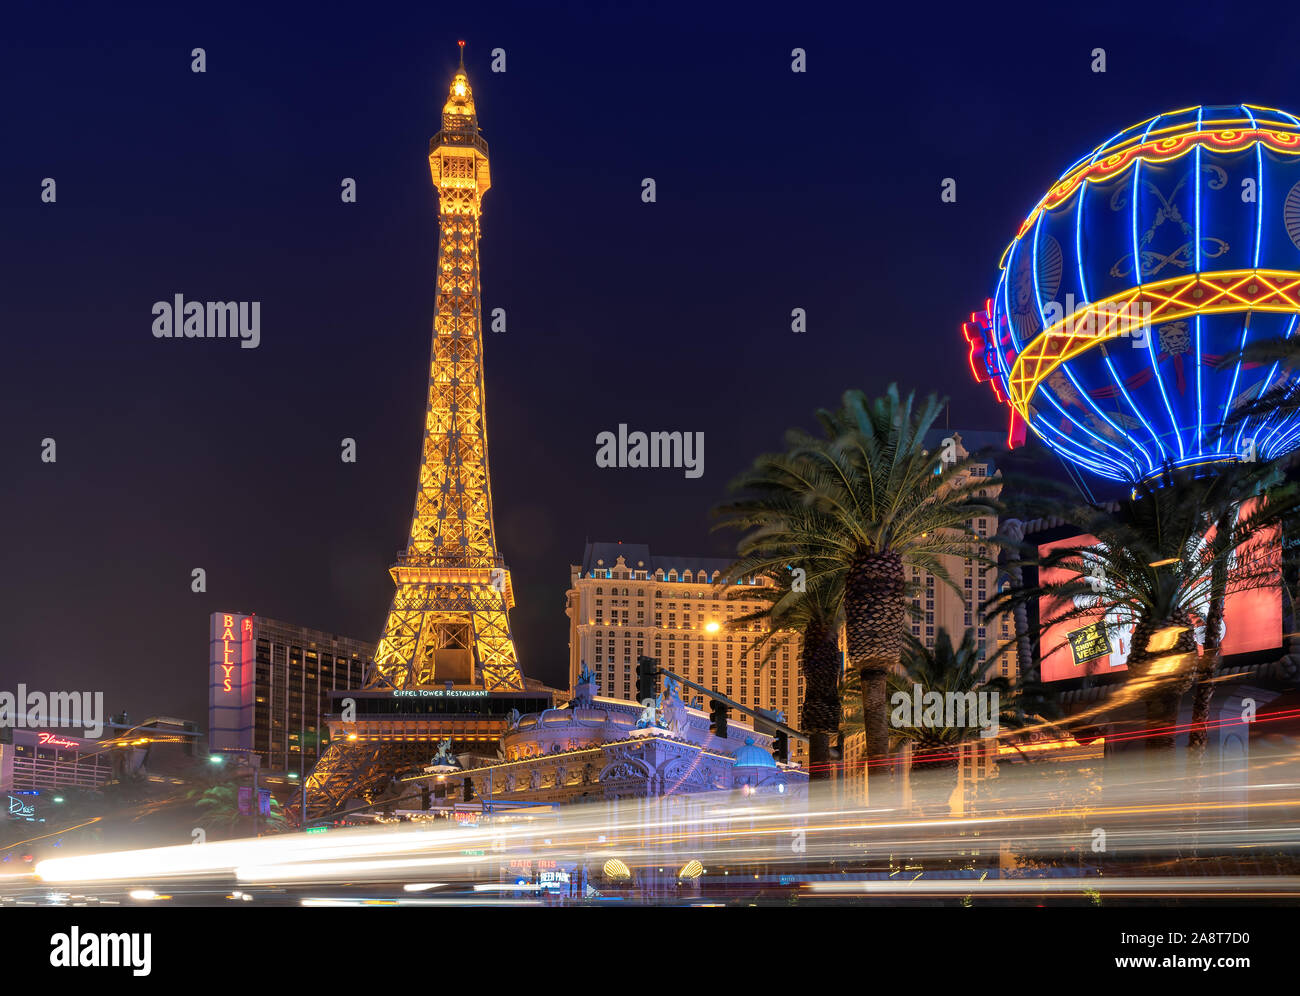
1203, 690
1013, 530
1165, 689
1290, 568
1198, 737
936, 771
819, 755
875, 615
819, 714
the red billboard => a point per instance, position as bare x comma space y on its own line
1092, 643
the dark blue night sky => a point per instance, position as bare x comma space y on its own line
776, 190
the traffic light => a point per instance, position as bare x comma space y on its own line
468, 789
647, 674
718, 718
781, 746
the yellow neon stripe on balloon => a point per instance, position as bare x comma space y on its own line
1167, 148
1282, 122
1146, 305
1226, 134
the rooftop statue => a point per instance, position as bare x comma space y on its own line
649, 717
672, 710
444, 757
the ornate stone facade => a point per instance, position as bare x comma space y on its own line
593, 750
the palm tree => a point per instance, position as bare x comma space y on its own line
1149, 563
946, 669
1234, 485
857, 505
814, 613
219, 805
1279, 403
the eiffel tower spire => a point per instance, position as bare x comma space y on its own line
449, 619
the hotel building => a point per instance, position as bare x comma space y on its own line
270, 685
41, 759
935, 605
623, 602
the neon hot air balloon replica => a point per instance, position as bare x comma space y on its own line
1133, 282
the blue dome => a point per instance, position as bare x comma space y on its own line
751, 756
1152, 259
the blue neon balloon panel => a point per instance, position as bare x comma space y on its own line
1134, 281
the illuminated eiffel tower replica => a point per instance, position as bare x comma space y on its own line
445, 666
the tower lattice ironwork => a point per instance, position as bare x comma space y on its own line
449, 620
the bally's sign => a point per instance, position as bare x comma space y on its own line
231, 678
233, 648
